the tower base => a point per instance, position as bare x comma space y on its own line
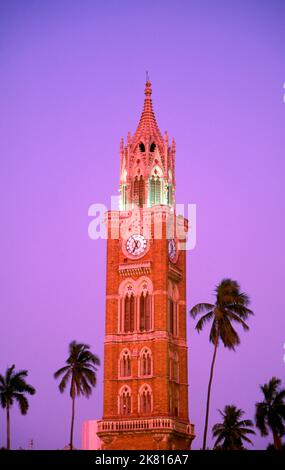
145, 434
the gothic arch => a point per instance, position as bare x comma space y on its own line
127, 307
138, 189
127, 285
145, 399
125, 401
136, 305
145, 307
124, 366
174, 366
145, 364
173, 309
156, 186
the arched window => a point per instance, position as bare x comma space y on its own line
175, 367
176, 401
145, 399
142, 147
138, 190
129, 313
124, 196
155, 190
125, 364
135, 296
141, 191
145, 320
169, 195
145, 365
152, 147
125, 401
170, 316
173, 309
173, 399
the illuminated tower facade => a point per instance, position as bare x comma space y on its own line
145, 349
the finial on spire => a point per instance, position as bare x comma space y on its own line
147, 90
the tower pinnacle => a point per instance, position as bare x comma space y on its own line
147, 129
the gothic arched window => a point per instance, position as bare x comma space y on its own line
125, 401
145, 365
145, 319
176, 401
142, 147
138, 190
135, 296
155, 190
152, 147
173, 309
170, 316
145, 399
175, 367
124, 196
125, 364
129, 313
173, 399
169, 195
141, 191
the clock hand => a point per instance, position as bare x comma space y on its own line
136, 245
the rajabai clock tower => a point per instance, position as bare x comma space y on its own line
145, 349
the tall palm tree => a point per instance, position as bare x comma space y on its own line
81, 370
232, 431
13, 387
230, 306
270, 413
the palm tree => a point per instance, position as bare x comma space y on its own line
13, 387
230, 306
81, 370
232, 431
270, 413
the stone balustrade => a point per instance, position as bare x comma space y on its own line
158, 424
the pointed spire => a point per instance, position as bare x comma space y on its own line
147, 128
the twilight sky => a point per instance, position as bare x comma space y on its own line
71, 85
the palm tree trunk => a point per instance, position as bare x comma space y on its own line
72, 417
8, 426
277, 441
209, 394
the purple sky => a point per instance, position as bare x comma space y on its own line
71, 85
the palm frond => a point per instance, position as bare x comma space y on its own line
228, 334
203, 320
61, 371
64, 381
200, 308
22, 402
237, 319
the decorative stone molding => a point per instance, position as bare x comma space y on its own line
174, 274
150, 336
135, 269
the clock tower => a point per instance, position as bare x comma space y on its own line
145, 349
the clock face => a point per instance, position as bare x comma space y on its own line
136, 245
172, 251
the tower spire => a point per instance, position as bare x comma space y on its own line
147, 129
